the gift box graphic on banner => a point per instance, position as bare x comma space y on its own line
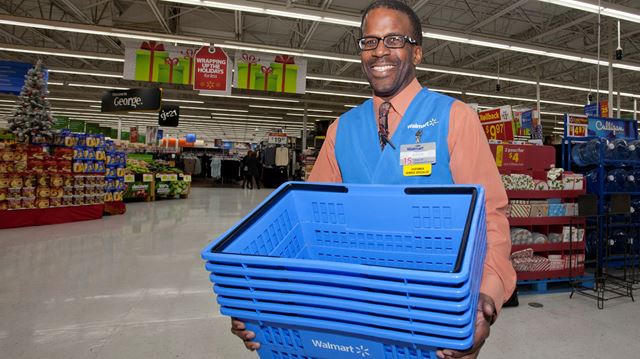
248, 69
148, 59
286, 72
265, 80
171, 71
187, 62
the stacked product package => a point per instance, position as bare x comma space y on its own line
42, 176
116, 162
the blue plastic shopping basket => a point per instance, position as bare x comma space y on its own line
324, 271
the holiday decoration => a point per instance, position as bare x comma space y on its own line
31, 120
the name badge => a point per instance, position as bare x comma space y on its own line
418, 154
417, 170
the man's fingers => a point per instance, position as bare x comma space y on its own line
252, 345
236, 324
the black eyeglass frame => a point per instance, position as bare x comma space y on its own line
405, 40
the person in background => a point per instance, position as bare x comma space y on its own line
252, 169
244, 169
369, 143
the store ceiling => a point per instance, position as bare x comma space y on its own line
468, 45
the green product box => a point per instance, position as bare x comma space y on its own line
147, 70
245, 75
288, 75
271, 84
77, 126
114, 133
93, 128
125, 136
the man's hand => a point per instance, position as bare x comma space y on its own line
238, 328
486, 315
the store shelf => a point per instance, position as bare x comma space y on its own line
550, 274
621, 162
549, 247
54, 215
540, 221
527, 194
629, 193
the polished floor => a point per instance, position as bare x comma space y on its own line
133, 286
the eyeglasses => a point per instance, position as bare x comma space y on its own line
390, 42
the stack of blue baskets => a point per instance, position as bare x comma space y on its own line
355, 271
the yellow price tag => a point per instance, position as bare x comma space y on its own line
417, 170
147, 177
129, 178
499, 154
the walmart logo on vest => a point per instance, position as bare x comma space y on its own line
360, 350
416, 126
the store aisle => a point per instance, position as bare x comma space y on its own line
134, 286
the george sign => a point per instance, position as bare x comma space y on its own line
277, 138
613, 128
498, 123
212, 73
576, 125
268, 72
133, 134
143, 99
597, 110
12, 75
169, 116
154, 61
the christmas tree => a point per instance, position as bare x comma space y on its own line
31, 120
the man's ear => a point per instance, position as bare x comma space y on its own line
417, 54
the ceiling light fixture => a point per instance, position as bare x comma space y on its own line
98, 30
60, 52
289, 108
606, 9
85, 73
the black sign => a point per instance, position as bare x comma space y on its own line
146, 99
169, 116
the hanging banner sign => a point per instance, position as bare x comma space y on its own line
169, 116
498, 123
212, 71
595, 110
12, 75
576, 125
153, 61
266, 72
144, 99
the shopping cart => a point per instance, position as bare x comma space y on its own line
326, 271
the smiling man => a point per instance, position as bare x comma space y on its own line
409, 135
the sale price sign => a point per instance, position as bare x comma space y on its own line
498, 123
576, 125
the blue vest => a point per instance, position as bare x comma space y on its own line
357, 147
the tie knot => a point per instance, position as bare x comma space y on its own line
384, 109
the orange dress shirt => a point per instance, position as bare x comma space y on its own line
471, 162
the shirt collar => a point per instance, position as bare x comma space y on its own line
401, 101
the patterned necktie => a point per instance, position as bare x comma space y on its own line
383, 124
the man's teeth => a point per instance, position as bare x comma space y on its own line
383, 68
